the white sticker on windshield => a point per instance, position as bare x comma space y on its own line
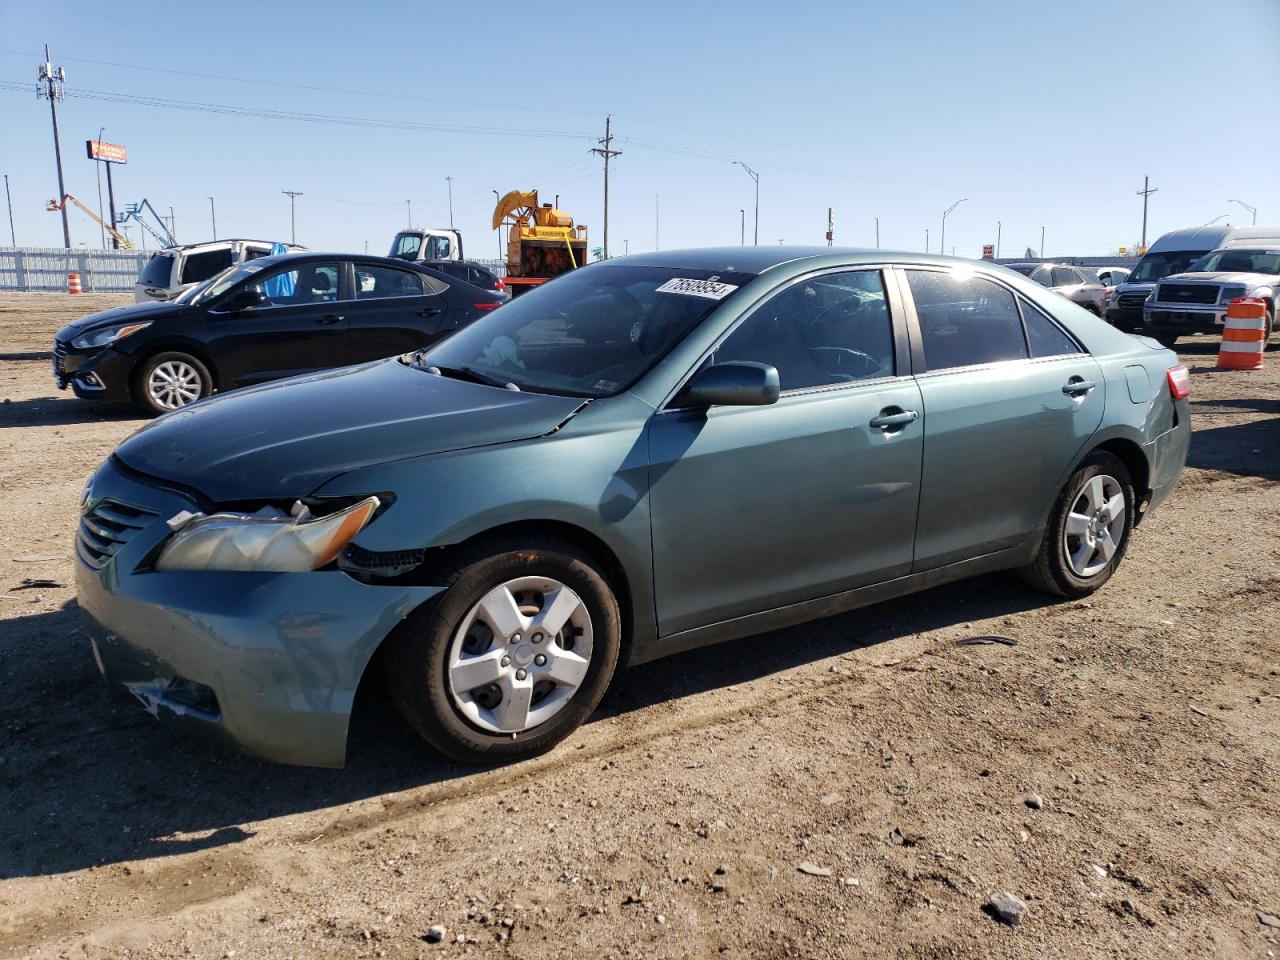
711, 289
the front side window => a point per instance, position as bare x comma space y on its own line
304, 284
1065, 277
965, 319
201, 266
1045, 337
377, 282
830, 329
592, 332
438, 248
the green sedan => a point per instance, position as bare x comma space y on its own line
646, 455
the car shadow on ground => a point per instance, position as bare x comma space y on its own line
88, 778
60, 411
1250, 449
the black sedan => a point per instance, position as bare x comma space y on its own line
261, 320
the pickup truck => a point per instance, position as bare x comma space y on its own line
1196, 301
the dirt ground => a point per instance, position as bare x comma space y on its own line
872, 746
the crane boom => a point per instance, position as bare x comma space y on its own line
55, 206
134, 211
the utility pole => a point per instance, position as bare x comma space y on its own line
608, 153
1144, 193
111, 204
756, 177
213, 217
999, 225
831, 228
942, 240
449, 181
742, 227
626, 248
51, 84
13, 237
926, 239
1253, 211
408, 204
293, 227
1042, 242
173, 231
877, 233
656, 209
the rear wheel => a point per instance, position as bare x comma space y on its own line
171, 380
1088, 529
1167, 339
513, 657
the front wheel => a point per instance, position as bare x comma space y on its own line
1088, 530
171, 380
513, 657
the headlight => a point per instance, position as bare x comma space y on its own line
268, 540
1230, 293
100, 338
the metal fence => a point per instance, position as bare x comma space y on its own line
45, 269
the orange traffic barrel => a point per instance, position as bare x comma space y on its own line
73, 283
1244, 335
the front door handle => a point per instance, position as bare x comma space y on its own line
332, 318
430, 311
888, 419
1077, 387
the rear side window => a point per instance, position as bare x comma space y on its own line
1046, 338
201, 266
1043, 276
965, 320
378, 282
1064, 277
157, 271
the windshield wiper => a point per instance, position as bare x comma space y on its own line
469, 373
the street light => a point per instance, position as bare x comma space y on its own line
999, 227
449, 181
742, 227
1042, 243
1210, 223
213, 217
756, 177
942, 241
1253, 211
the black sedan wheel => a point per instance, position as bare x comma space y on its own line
1088, 530
171, 380
512, 658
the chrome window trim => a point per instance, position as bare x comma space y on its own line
880, 268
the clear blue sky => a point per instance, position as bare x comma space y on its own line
1038, 113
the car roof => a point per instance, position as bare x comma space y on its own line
1211, 238
314, 257
760, 259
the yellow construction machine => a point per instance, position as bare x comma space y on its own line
542, 242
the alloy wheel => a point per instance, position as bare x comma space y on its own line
519, 655
173, 384
1095, 526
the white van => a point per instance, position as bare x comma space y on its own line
1174, 253
174, 269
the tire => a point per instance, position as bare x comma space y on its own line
1270, 329
1094, 310
439, 658
170, 380
1166, 339
1073, 562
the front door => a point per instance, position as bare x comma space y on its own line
301, 326
757, 507
1010, 399
394, 312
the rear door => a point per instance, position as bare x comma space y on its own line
302, 325
1009, 400
394, 311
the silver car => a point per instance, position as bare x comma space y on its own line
1076, 284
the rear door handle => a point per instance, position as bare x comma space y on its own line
887, 421
331, 318
1076, 386
430, 311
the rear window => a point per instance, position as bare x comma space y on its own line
157, 271
198, 267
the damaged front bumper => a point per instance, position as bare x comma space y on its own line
268, 662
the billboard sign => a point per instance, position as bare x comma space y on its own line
107, 152
988, 251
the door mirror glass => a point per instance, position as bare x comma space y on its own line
249, 299
733, 384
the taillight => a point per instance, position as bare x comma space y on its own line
1179, 382
501, 285
486, 307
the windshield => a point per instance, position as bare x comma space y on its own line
406, 246
1157, 266
589, 333
220, 284
1239, 261
157, 271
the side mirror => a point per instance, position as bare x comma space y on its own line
734, 384
246, 300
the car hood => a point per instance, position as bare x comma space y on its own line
118, 315
285, 439
1250, 279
